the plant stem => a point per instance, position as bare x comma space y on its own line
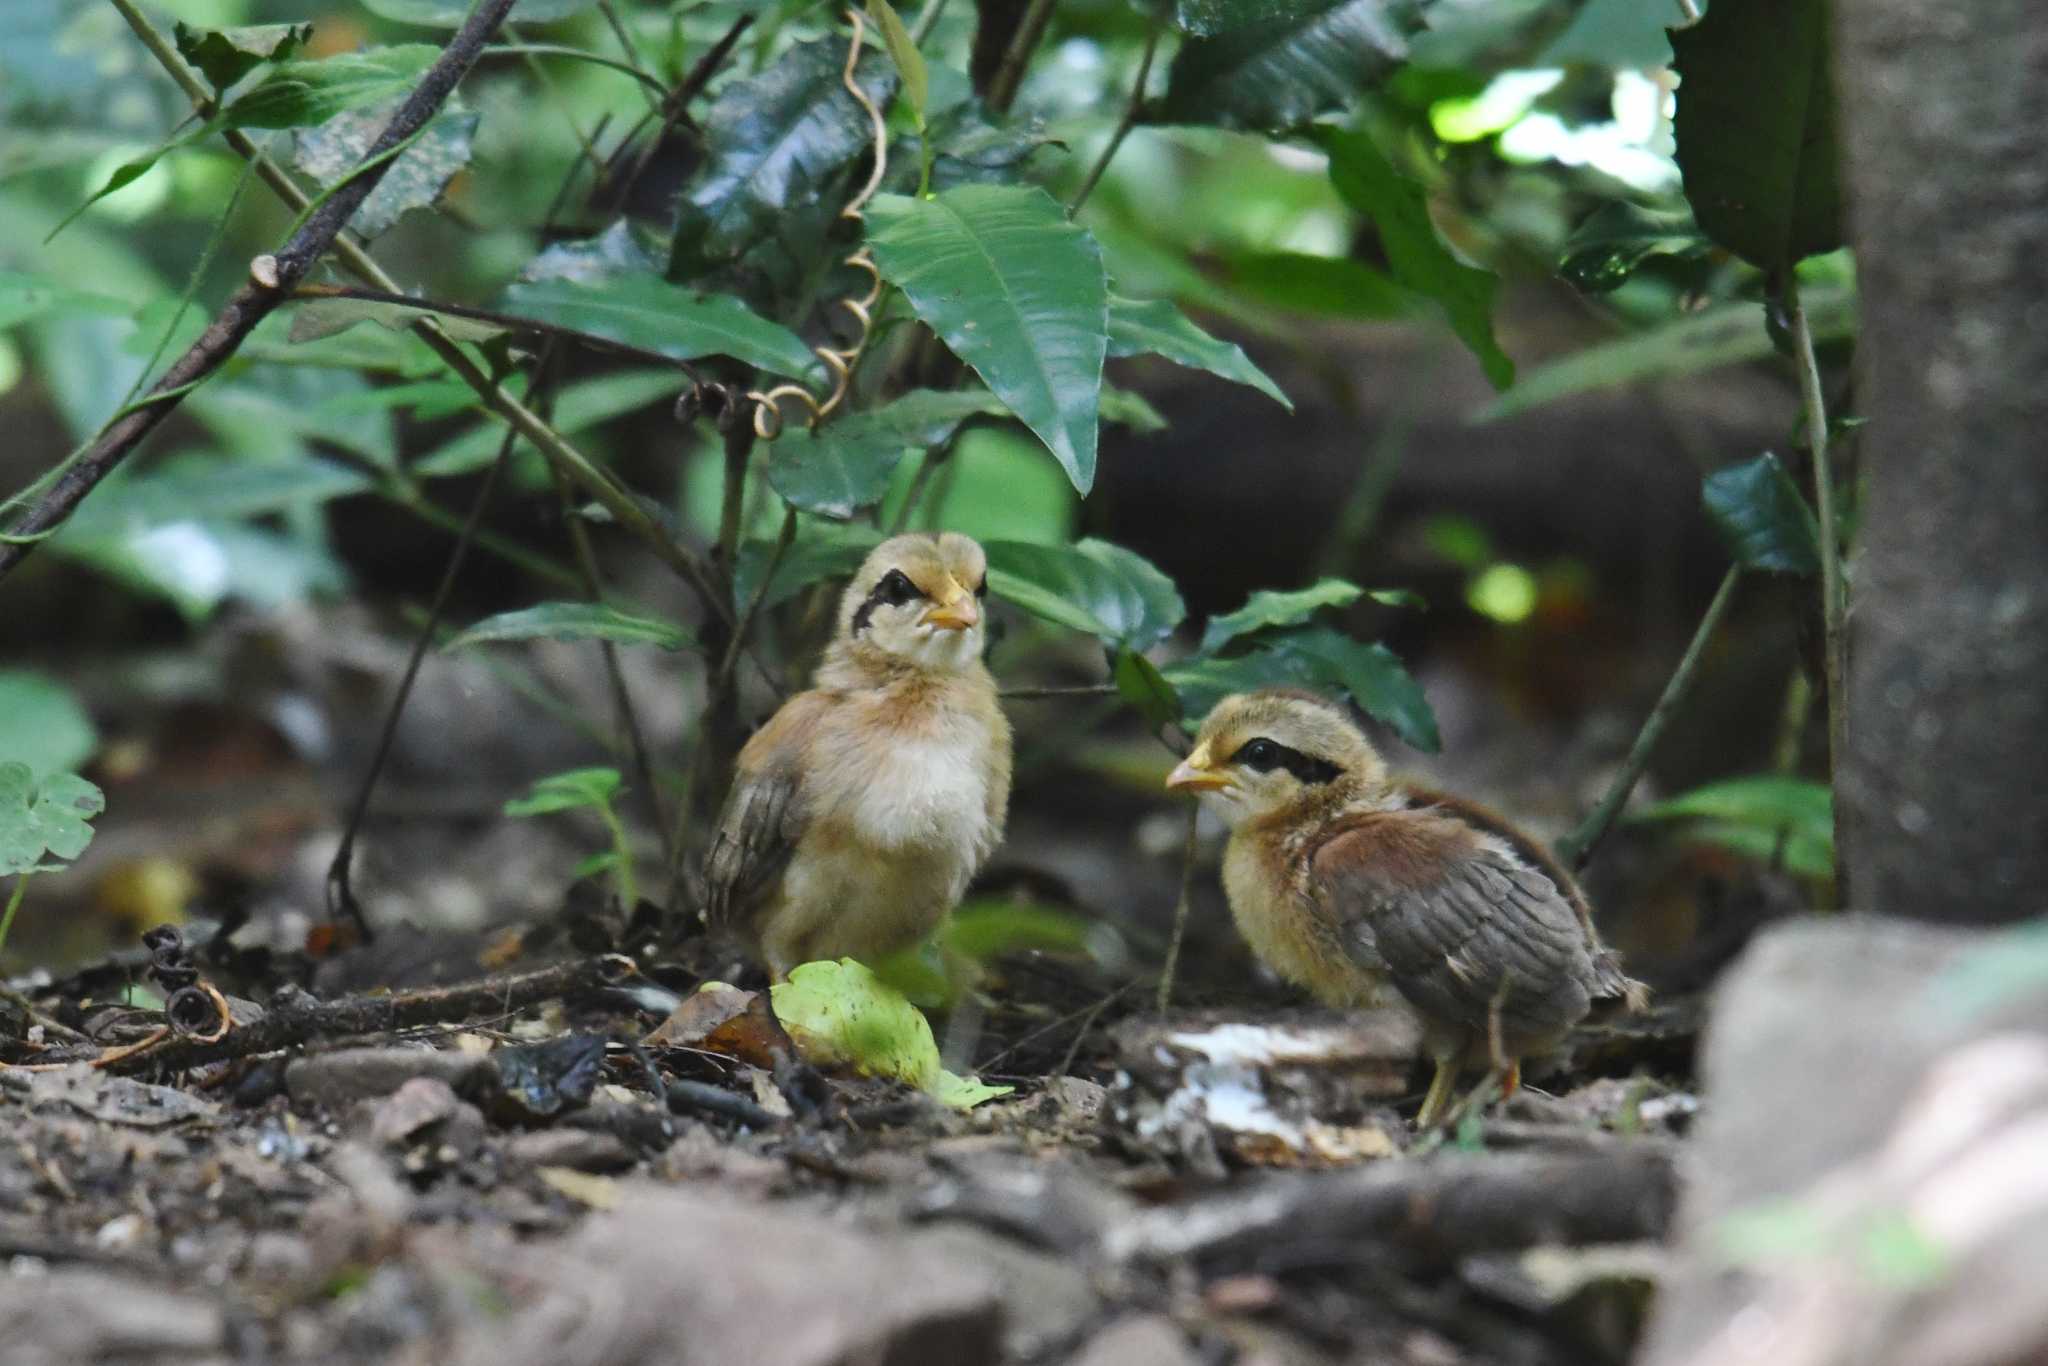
13, 905
1833, 601
1002, 91
622, 867
1180, 912
656, 88
1125, 124
927, 20
1577, 847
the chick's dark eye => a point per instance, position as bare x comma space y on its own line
981, 589
1260, 756
897, 589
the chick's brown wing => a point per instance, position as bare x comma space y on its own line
763, 815
1463, 929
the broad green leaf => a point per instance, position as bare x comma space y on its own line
1756, 128
1307, 59
1128, 408
649, 313
1317, 658
580, 406
1139, 682
1017, 292
903, 51
330, 152
196, 488
1728, 334
1763, 517
317, 319
846, 465
841, 1015
309, 91
451, 13
1268, 608
1763, 817
1419, 259
1615, 241
31, 296
620, 249
1137, 326
256, 408
578, 787
972, 146
1105, 590
1316, 286
225, 55
574, 621
821, 553
52, 816
41, 724
774, 142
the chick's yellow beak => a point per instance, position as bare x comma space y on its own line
1197, 774
957, 613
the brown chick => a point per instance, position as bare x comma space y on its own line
1344, 882
859, 812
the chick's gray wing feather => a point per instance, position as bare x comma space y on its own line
763, 816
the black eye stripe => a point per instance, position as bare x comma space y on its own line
894, 590
1262, 755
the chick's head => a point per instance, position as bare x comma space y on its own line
918, 599
1266, 753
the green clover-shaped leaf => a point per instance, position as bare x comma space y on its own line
53, 817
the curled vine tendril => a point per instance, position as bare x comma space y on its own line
768, 419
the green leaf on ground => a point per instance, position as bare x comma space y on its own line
1303, 59
1418, 258
841, 1015
1018, 292
845, 465
1138, 326
1108, 592
574, 621
1763, 517
41, 724
651, 314
579, 787
1756, 128
51, 817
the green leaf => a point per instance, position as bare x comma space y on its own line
51, 817
574, 621
23, 297
581, 405
1418, 258
1137, 326
649, 313
41, 724
331, 152
195, 488
1756, 129
1317, 658
304, 92
451, 13
1105, 590
579, 787
316, 319
1729, 334
903, 51
225, 55
1615, 241
1128, 408
1306, 60
1316, 286
846, 465
775, 142
841, 1015
1139, 682
821, 553
1017, 292
1763, 517
1268, 608
1764, 817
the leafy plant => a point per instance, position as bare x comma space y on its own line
594, 789
50, 818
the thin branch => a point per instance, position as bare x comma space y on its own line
1689, 12
1044, 694
927, 21
1181, 907
1125, 124
1833, 602
1002, 90
558, 50
624, 509
1577, 847
631, 50
272, 280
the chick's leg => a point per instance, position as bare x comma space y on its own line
1439, 1095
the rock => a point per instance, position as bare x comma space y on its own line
337, 1079
1140, 1340
689, 1278
117, 1100
1869, 1185
80, 1315
1055, 1205
1299, 1089
1047, 1301
582, 1150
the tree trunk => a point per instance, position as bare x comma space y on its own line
1944, 794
